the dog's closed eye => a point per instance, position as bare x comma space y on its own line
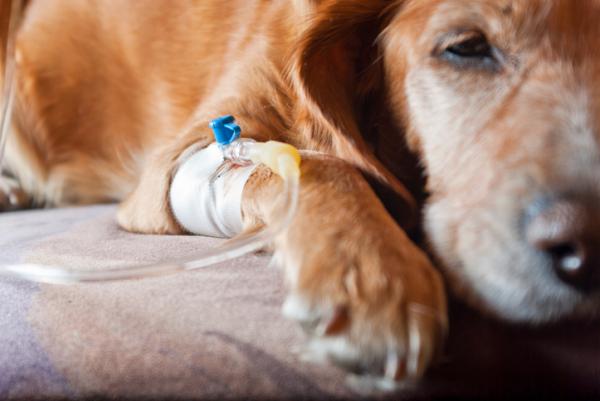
468, 50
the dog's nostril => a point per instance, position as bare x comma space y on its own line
564, 231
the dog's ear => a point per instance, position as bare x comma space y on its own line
335, 70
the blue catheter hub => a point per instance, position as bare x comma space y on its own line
225, 130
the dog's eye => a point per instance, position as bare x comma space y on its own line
468, 50
475, 47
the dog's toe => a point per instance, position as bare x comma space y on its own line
12, 196
385, 346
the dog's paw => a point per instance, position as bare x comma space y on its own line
372, 304
12, 196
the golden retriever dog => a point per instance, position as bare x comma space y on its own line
494, 103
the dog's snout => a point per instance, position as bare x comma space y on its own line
567, 232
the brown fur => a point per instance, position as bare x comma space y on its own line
110, 93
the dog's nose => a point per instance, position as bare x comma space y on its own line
568, 233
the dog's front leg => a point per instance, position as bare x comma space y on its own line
369, 298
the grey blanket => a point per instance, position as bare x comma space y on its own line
217, 333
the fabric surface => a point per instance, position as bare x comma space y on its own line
217, 333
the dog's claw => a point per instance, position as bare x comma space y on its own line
337, 323
395, 366
425, 326
340, 337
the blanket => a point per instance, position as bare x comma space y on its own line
217, 332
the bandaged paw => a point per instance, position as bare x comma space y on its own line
206, 194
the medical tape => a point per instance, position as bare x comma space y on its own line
206, 193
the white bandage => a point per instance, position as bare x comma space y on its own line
209, 209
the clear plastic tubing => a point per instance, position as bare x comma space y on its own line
231, 249
14, 10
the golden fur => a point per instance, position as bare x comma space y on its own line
110, 94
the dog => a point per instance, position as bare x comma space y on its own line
478, 120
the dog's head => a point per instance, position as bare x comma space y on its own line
501, 101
